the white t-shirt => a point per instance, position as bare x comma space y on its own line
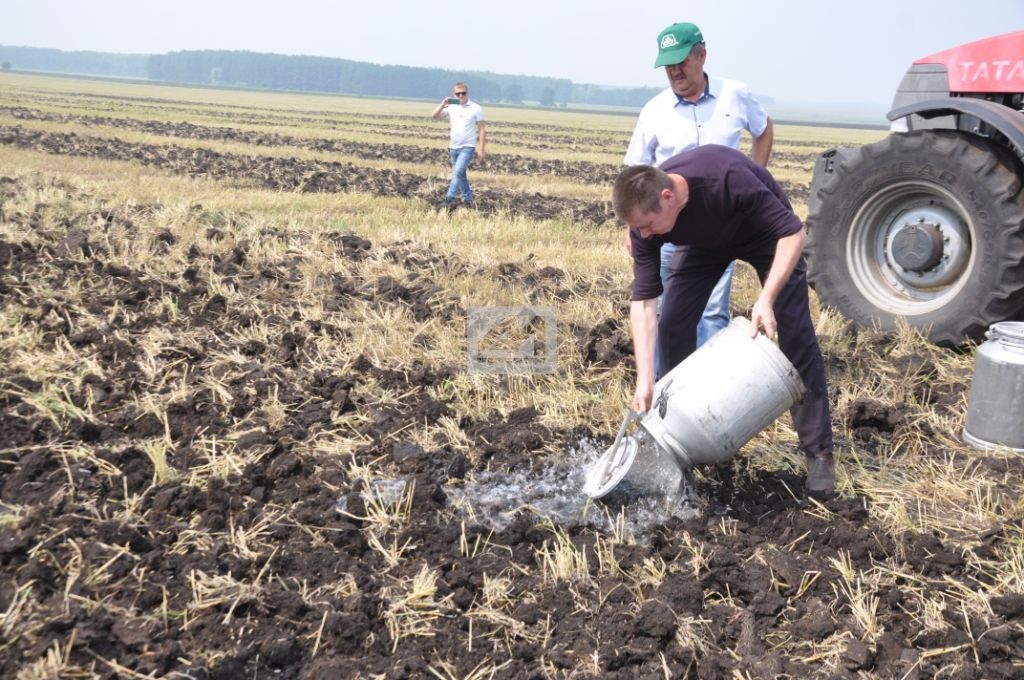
463, 118
667, 127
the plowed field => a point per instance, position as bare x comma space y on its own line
234, 438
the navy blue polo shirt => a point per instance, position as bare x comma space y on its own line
736, 209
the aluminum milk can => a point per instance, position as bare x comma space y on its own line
726, 392
704, 410
995, 408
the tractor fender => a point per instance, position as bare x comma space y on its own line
1003, 119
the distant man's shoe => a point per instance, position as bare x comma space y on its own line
821, 478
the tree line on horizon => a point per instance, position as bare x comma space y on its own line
319, 74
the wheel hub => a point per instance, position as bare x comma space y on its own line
925, 246
917, 247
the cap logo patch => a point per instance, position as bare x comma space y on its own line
668, 41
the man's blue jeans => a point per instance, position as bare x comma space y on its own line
716, 313
460, 185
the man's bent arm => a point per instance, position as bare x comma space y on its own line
787, 253
643, 320
761, 147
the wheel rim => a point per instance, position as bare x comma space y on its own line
909, 248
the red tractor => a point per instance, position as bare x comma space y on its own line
927, 225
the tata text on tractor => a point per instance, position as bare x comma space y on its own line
927, 224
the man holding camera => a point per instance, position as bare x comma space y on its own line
467, 139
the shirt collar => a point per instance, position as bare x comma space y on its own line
706, 95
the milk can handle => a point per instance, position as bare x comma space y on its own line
631, 415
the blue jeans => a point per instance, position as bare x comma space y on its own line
716, 312
460, 185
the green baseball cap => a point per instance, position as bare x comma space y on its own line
675, 43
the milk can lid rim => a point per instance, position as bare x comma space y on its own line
611, 467
1011, 330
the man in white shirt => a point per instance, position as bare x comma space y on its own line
467, 139
693, 112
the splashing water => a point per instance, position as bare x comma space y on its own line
555, 492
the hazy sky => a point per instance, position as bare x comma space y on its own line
803, 50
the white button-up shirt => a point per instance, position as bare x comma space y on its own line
669, 125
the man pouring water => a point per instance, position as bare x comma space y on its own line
717, 205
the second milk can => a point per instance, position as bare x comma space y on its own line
995, 410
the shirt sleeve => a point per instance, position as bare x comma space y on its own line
641, 144
646, 267
766, 213
757, 117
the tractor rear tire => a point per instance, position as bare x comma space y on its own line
925, 226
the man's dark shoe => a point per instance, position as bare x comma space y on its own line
448, 206
821, 478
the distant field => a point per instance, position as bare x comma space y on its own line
578, 152
237, 419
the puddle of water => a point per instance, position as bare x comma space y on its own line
555, 492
